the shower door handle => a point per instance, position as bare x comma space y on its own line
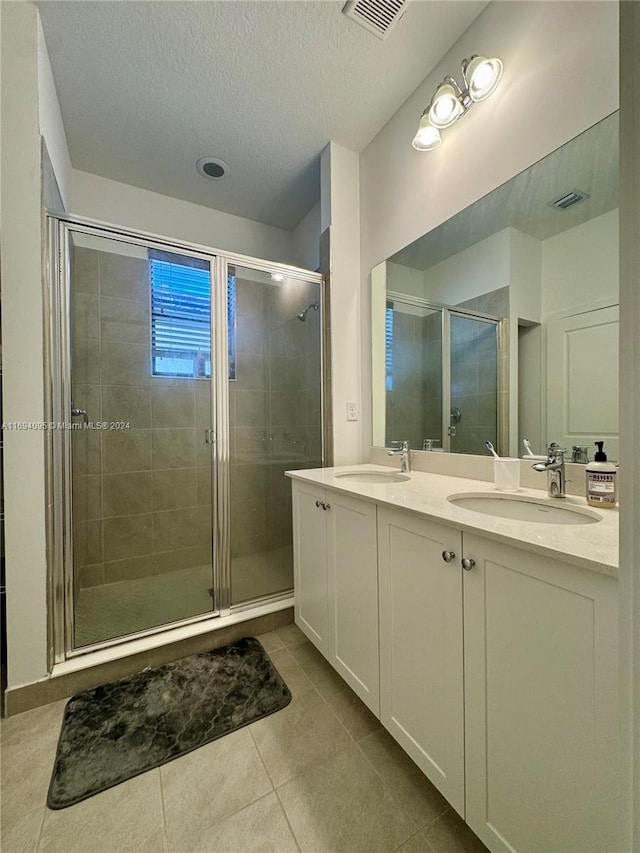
77, 413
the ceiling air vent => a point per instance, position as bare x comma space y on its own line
377, 16
567, 200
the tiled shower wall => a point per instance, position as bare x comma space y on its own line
275, 410
142, 496
474, 374
414, 405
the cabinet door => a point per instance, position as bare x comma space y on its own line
421, 658
540, 702
353, 594
310, 563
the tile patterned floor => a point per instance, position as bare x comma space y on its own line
125, 607
321, 775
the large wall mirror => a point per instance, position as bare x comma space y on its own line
502, 323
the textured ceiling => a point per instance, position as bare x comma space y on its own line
147, 88
588, 163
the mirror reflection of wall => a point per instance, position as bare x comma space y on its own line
541, 251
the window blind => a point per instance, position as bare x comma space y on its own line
181, 316
388, 346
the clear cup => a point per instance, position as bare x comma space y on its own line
506, 474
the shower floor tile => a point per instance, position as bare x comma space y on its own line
126, 607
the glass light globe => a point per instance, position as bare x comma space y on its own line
482, 76
428, 137
445, 107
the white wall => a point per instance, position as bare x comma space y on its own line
580, 267
340, 178
131, 207
479, 269
406, 280
23, 347
51, 124
405, 193
306, 240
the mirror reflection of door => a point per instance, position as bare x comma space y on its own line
473, 416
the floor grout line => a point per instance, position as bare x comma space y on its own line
165, 832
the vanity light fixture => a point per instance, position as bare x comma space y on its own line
450, 101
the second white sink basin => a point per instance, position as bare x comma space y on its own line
372, 477
524, 508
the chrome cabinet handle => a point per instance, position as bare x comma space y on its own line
76, 413
448, 556
468, 563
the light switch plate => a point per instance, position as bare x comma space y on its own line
352, 410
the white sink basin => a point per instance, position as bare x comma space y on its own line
372, 477
524, 508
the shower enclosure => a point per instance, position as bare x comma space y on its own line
444, 375
183, 383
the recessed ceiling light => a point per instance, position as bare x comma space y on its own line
211, 167
277, 276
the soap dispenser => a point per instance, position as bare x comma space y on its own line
601, 480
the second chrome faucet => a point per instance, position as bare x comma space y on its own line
404, 452
554, 466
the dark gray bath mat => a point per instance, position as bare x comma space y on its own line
117, 731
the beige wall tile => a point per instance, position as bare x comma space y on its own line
249, 482
172, 407
129, 404
133, 567
86, 361
87, 397
174, 448
179, 528
127, 494
86, 315
128, 536
123, 277
125, 364
126, 450
87, 498
174, 488
87, 543
131, 311
86, 452
84, 270
203, 485
183, 558
251, 408
203, 405
90, 575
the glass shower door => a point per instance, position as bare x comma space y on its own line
141, 470
274, 421
473, 370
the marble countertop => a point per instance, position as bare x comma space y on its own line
590, 546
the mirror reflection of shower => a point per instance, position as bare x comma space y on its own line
303, 314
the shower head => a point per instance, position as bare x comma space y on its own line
303, 314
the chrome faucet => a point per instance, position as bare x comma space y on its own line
554, 466
405, 454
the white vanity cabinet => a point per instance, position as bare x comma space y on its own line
540, 660
497, 675
336, 583
421, 652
